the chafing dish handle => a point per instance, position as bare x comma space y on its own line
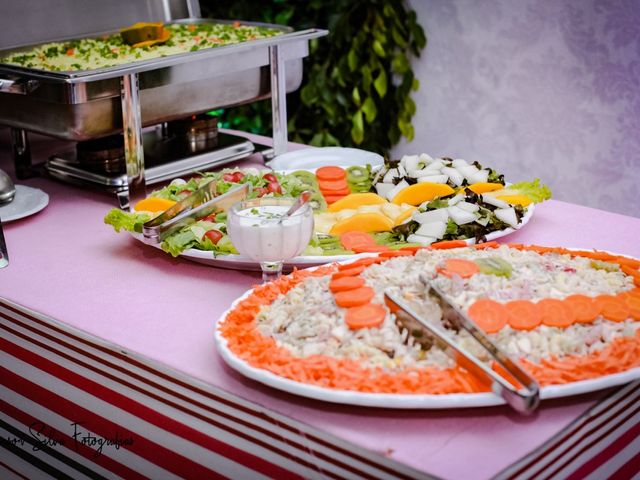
20, 87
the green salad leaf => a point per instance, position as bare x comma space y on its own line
536, 191
121, 220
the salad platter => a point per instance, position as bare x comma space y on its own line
571, 318
358, 210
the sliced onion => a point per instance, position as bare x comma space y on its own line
432, 229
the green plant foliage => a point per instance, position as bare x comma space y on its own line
357, 82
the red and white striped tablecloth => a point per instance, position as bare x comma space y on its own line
72, 406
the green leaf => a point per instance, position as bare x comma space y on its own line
355, 95
370, 110
366, 78
352, 59
357, 128
316, 141
380, 83
398, 38
379, 49
308, 94
400, 63
415, 85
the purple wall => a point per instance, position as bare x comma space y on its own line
536, 88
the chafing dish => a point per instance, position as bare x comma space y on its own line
93, 103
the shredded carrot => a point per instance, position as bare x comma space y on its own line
445, 245
363, 262
633, 273
396, 253
485, 245
349, 272
371, 249
415, 249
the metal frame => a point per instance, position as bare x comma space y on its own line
130, 100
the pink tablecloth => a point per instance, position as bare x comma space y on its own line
67, 265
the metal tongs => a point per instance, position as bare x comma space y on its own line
199, 204
523, 399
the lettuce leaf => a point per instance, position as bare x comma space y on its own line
536, 191
121, 220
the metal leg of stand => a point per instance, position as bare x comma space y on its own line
133, 151
278, 100
21, 154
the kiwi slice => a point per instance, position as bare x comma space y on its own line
307, 178
317, 202
494, 266
357, 174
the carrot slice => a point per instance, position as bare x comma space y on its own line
352, 239
330, 173
460, 267
486, 245
584, 308
370, 315
613, 308
349, 272
395, 253
363, 261
371, 249
341, 192
555, 313
330, 185
332, 198
633, 303
488, 315
355, 297
523, 314
448, 244
346, 283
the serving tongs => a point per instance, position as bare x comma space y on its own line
199, 204
524, 398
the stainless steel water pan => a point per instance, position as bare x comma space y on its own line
86, 104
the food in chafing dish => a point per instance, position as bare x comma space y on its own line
110, 50
350, 217
565, 315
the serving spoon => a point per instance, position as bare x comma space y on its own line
7, 188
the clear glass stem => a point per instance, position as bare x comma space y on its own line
271, 271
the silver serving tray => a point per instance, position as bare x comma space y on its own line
86, 104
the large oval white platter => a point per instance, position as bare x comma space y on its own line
401, 401
241, 262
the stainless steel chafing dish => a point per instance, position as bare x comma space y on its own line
93, 103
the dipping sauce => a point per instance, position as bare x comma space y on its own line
260, 232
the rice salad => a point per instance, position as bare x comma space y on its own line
305, 322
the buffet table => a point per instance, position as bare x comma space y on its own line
108, 368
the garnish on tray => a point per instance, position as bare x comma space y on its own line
357, 200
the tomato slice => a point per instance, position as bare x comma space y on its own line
214, 236
270, 177
274, 187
